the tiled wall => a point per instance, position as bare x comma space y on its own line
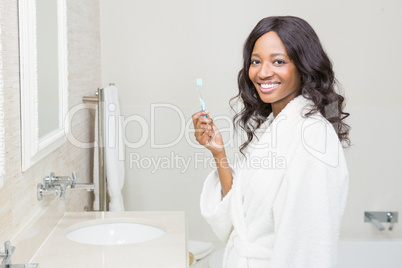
18, 203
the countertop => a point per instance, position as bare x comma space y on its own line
168, 251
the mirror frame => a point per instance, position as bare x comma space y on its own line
34, 148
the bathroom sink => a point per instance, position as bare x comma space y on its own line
114, 233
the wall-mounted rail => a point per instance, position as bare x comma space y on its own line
100, 101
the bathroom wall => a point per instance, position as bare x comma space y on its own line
155, 50
18, 203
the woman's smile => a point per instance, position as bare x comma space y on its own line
268, 86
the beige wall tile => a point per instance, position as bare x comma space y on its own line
18, 201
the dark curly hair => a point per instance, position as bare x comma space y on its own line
318, 81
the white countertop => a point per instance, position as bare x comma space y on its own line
169, 250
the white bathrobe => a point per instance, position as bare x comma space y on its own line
288, 196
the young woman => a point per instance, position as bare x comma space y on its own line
282, 206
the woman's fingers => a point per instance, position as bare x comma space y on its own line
199, 115
206, 127
206, 133
203, 129
215, 139
201, 123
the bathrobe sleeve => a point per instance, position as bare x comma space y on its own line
214, 208
310, 202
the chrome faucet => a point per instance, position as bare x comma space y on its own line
376, 217
6, 255
57, 185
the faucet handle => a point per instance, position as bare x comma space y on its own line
42, 190
73, 179
49, 180
390, 219
8, 252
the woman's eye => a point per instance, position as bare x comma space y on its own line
279, 62
255, 62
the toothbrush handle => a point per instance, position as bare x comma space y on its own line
203, 106
204, 114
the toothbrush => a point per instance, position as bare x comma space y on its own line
202, 102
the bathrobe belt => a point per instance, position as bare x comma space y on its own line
246, 249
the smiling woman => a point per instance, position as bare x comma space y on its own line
286, 214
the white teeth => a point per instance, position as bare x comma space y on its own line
268, 86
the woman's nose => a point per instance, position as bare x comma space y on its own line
265, 71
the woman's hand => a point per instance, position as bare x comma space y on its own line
207, 134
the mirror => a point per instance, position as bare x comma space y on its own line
43, 69
47, 65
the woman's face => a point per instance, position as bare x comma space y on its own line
274, 75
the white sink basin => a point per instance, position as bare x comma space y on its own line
114, 233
